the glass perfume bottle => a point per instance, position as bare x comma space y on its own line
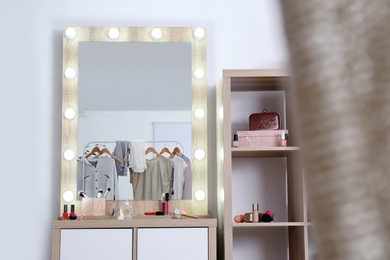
126, 211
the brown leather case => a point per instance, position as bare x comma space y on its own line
264, 121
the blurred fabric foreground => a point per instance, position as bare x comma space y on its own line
340, 65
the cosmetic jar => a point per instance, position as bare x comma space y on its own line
248, 217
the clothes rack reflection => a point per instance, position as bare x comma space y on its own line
173, 166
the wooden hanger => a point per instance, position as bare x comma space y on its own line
127, 154
152, 150
94, 150
165, 150
176, 150
105, 150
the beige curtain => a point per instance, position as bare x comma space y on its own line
340, 62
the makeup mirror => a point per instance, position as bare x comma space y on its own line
77, 40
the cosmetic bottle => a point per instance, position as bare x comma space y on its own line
235, 141
166, 203
283, 140
72, 215
126, 211
65, 214
163, 202
255, 212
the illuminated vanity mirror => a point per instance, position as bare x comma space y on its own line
129, 74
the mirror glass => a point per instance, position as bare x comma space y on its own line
134, 90
115, 78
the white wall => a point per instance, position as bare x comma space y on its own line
241, 34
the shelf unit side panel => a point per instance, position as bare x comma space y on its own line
296, 200
227, 132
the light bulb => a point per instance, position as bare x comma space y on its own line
69, 155
113, 34
199, 154
70, 33
199, 33
199, 113
221, 113
199, 73
69, 113
68, 196
221, 152
70, 73
156, 34
200, 195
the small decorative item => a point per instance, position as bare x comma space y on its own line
268, 216
264, 121
261, 138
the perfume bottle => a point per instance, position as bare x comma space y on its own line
126, 211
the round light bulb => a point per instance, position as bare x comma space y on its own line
199, 113
220, 113
221, 152
200, 195
199, 154
113, 34
68, 196
199, 73
199, 33
69, 155
156, 34
69, 113
70, 33
70, 73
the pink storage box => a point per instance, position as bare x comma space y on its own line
260, 138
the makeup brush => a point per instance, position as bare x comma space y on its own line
107, 191
100, 192
82, 194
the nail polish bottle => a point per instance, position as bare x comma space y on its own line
65, 214
72, 215
255, 212
235, 141
283, 140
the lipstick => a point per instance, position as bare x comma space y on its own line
158, 213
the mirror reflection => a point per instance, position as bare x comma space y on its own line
138, 95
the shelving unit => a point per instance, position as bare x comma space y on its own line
270, 176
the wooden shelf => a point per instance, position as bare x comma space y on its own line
271, 224
263, 152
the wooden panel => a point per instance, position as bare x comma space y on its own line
135, 225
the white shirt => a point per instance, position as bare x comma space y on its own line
179, 166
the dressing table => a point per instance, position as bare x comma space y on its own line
143, 237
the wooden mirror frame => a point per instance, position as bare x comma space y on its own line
71, 38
